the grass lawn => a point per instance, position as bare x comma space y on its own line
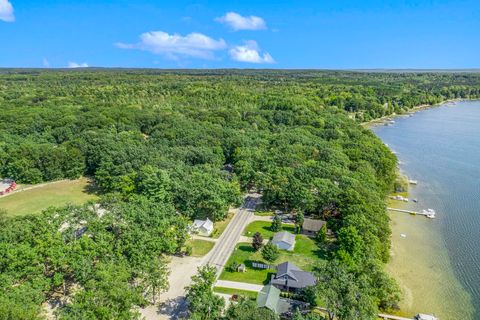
220, 226
263, 213
305, 256
200, 247
264, 228
56, 194
248, 294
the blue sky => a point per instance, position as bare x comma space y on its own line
240, 34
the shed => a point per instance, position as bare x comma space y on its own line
203, 227
284, 240
310, 227
241, 268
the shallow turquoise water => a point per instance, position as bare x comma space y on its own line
440, 147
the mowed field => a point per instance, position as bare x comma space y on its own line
54, 194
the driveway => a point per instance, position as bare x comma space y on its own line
171, 303
239, 285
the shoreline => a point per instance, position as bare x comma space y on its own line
420, 241
415, 109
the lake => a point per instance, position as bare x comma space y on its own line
437, 262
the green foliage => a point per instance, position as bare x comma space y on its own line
202, 302
246, 309
276, 224
297, 315
270, 252
345, 296
165, 147
309, 295
108, 295
232, 267
93, 260
401, 183
321, 235
257, 242
299, 218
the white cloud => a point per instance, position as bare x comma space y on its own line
6, 11
238, 22
77, 65
173, 46
46, 63
250, 52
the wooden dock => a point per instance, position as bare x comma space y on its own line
391, 317
426, 214
380, 315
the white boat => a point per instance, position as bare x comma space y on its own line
429, 213
422, 316
403, 235
413, 181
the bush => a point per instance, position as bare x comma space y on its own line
276, 223
321, 236
232, 267
257, 242
270, 252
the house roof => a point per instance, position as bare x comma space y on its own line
269, 298
292, 276
284, 236
313, 224
207, 224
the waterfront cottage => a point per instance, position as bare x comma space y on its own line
284, 240
289, 277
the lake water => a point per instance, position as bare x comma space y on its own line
437, 264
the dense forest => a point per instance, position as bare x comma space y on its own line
164, 147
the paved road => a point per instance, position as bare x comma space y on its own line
223, 248
238, 285
172, 304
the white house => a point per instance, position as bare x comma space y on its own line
203, 227
284, 240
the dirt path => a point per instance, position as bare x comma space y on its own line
33, 187
171, 304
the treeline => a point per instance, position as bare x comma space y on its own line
165, 147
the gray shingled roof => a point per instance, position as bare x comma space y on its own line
312, 225
284, 236
292, 276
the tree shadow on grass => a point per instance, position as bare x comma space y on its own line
92, 187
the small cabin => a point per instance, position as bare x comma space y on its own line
310, 227
203, 227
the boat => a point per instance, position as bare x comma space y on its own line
403, 235
413, 181
415, 200
429, 213
422, 316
